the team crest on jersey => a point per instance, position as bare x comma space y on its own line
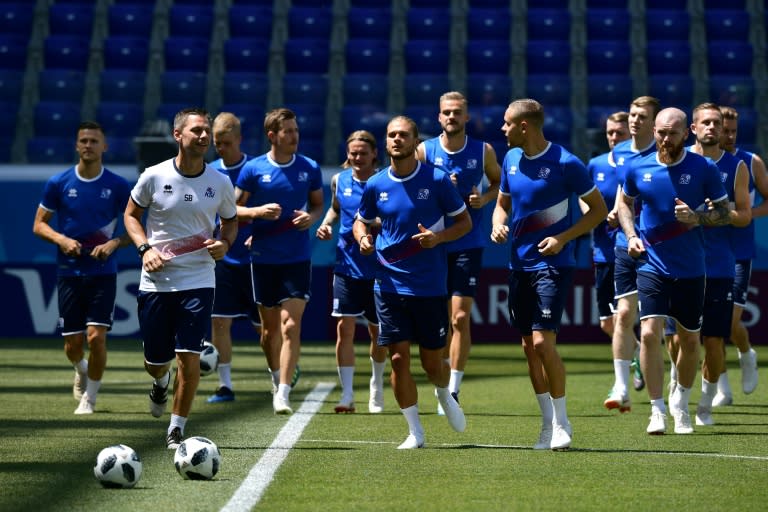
723, 176
383, 196
106, 193
621, 161
544, 172
209, 192
303, 176
167, 189
266, 178
647, 177
423, 193
685, 179
439, 161
347, 192
472, 163
600, 176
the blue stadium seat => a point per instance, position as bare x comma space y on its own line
612, 57
186, 53
367, 22
365, 89
61, 85
244, 87
485, 89
183, 87
598, 115
251, 118
11, 85
609, 90
312, 147
16, 19
425, 89
130, 19
672, 90
548, 57
549, 89
488, 24
601, 4
666, 4
728, 24
120, 119
429, 23
52, 149
120, 150
667, 24
67, 52
725, 4
424, 56
734, 57
548, 24
367, 56
190, 20
426, 3
610, 24
485, 124
122, 85
13, 52
167, 111
558, 125
747, 126
307, 55
309, 22
261, 3
373, 118
668, 57
126, 52
250, 21
252, 145
485, 56
70, 19
310, 117
248, 54
732, 90
305, 88
56, 118
426, 119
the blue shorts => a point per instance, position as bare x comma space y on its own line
718, 307
274, 284
464, 272
682, 299
86, 300
173, 322
625, 272
741, 282
234, 292
354, 297
422, 320
606, 302
537, 298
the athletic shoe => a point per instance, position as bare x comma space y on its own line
280, 405
682, 422
748, 363
545, 438
561, 437
222, 394
158, 398
296, 376
376, 401
658, 424
616, 401
174, 439
78, 388
722, 399
345, 407
637, 375
412, 442
86, 406
453, 412
704, 416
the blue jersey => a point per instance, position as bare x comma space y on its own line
468, 164
623, 154
602, 171
289, 185
423, 197
87, 210
743, 239
540, 188
675, 249
349, 261
238, 254
718, 254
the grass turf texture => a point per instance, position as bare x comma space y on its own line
349, 462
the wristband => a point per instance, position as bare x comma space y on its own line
143, 248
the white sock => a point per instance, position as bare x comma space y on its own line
225, 375
724, 385
708, 390
455, 381
81, 367
377, 372
164, 380
92, 389
414, 423
177, 421
680, 397
545, 405
558, 407
657, 405
275, 377
621, 374
284, 391
346, 377
673, 372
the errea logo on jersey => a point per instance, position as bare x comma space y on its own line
383, 196
266, 178
347, 192
439, 161
544, 172
685, 179
423, 194
647, 177
72, 192
600, 176
621, 161
512, 170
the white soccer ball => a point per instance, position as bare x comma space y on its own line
197, 458
209, 359
118, 466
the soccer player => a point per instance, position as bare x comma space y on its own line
88, 200
353, 274
234, 295
412, 199
468, 162
673, 185
538, 180
743, 242
182, 198
286, 189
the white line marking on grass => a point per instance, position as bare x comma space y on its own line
251, 490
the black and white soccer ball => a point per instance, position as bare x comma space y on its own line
118, 466
197, 458
209, 359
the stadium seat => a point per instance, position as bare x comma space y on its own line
425, 89
608, 57
429, 23
167, 111
548, 57
246, 54
610, 90
423, 56
672, 90
558, 123
667, 24
130, 19
66, 52
250, 21
306, 55
16, 19
367, 22
373, 118
120, 119
485, 89
52, 149
305, 88
602, 4
747, 126
730, 57
608, 24
548, 24
120, 150
126, 52
56, 118
727, 24
309, 22
668, 57
312, 147
61, 85
186, 53
252, 145
486, 56
549, 89
426, 119
666, 4
122, 85
492, 24
367, 56
13, 52
244, 87
732, 90
310, 117
251, 117
261, 3
74, 19
190, 20
598, 114
365, 89
183, 87
426, 3
11, 85
485, 124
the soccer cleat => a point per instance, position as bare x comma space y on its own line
158, 398
616, 401
78, 388
704, 416
749, 375
376, 401
682, 422
453, 412
561, 437
722, 399
545, 438
222, 394
638, 381
296, 376
345, 407
86, 406
658, 424
174, 438
412, 442
280, 405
